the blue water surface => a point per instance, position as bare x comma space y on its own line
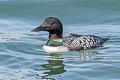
21, 53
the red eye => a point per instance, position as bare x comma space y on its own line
51, 24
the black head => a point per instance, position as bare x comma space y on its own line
52, 25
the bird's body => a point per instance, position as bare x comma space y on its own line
74, 42
59, 42
82, 42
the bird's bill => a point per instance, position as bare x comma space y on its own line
39, 28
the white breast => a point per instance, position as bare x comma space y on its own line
51, 49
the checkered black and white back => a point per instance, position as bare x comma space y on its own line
80, 42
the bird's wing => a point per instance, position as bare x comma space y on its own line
67, 39
78, 42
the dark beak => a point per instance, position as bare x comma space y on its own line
40, 28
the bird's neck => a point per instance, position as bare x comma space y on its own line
54, 39
55, 35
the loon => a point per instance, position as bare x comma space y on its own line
59, 42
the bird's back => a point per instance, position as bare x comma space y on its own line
82, 42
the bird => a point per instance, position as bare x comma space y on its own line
59, 42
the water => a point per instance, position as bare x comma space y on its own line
21, 53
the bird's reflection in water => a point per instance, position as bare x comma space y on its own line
84, 55
55, 66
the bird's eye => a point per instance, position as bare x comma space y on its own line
51, 24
